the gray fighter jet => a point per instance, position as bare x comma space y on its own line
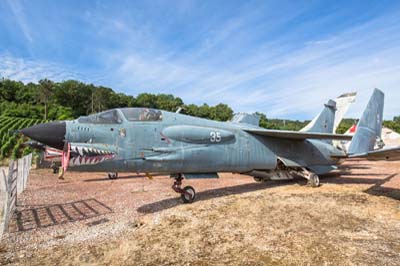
154, 141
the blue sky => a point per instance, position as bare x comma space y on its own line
283, 58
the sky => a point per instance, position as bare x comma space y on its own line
282, 58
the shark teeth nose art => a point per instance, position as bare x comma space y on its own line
88, 156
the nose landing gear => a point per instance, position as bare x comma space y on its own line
113, 175
188, 194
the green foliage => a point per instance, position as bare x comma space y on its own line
219, 112
281, 124
11, 144
161, 101
9, 89
396, 119
345, 124
394, 125
15, 109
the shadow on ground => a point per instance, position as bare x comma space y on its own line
212, 193
342, 177
105, 178
377, 188
51, 215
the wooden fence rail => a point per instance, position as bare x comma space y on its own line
14, 183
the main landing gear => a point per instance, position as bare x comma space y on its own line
313, 180
188, 194
286, 174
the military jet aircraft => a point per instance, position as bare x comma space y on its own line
155, 141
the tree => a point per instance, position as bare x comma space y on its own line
9, 89
146, 100
221, 112
263, 120
76, 95
125, 100
168, 102
45, 92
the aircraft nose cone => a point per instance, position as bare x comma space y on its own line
51, 134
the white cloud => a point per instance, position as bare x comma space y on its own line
26, 70
273, 79
18, 11
241, 61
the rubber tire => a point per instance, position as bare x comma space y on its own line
185, 198
258, 179
112, 175
313, 181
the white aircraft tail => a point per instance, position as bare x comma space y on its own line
332, 114
343, 103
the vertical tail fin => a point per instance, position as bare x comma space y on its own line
370, 125
343, 103
323, 123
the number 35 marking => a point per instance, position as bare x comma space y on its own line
215, 136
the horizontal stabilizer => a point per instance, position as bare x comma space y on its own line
389, 154
287, 134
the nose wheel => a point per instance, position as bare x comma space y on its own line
112, 175
188, 194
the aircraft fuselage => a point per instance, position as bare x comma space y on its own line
177, 143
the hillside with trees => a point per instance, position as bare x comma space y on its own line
24, 105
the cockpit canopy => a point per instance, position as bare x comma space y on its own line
106, 117
142, 114
131, 114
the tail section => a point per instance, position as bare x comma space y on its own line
370, 125
324, 122
343, 103
340, 105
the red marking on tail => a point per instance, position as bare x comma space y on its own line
353, 128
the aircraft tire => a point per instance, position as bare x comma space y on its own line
313, 181
258, 179
112, 175
186, 198
55, 170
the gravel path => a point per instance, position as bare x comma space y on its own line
88, 211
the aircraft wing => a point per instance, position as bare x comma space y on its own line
287, 134
389, 154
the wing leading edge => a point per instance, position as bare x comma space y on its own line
287, 134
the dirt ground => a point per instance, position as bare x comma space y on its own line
352, 219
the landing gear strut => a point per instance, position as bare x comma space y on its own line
188, 194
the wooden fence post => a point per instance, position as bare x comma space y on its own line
14, 183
